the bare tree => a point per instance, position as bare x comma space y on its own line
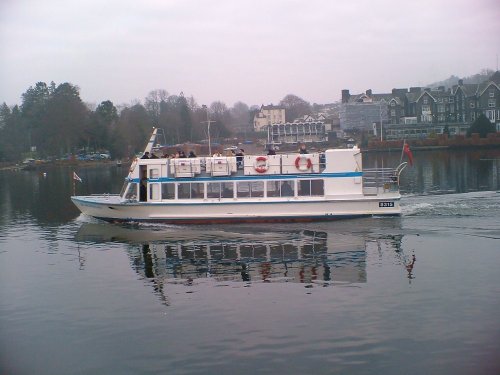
240, 116
153, 101
295, 107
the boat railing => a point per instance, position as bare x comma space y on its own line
376, 180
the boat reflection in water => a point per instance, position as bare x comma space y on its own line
281, 254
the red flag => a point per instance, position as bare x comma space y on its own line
408, 153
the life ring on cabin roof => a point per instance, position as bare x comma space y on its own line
261, 164
303, 166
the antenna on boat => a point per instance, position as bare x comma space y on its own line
208, 122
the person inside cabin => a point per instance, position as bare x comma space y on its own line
146, 155
217, 154
286, 189
191, 154
166, 156
303, 149
177, 154
153, 156
239, 158
143, 188
271, 151
182, 154
226, 193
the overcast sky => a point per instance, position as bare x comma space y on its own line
255, 51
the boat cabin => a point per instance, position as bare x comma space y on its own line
336, 172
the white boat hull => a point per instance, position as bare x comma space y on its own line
109, 208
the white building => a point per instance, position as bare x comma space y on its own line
268, 115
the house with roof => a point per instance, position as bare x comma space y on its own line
361, 111
268, 115
418, 112
488, 99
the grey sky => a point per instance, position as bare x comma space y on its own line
256, 51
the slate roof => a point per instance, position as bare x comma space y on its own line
270, 107
469, 89
495, 77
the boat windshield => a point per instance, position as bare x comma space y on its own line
129, 191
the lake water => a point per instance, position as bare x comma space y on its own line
419, 294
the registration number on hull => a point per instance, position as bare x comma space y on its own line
386, 204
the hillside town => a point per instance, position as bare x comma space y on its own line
413, 113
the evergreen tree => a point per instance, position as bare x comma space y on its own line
100, 126
482, 126
132, 131
67, 118
34, 114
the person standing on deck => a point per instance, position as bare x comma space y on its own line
239, 158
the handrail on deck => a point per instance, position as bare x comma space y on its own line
377, 177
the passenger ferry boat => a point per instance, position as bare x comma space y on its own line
253, 188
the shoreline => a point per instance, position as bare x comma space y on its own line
58, 163
381, 149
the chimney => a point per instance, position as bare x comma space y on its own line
345, 96
369, 92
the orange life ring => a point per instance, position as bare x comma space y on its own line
303, 167
261, 167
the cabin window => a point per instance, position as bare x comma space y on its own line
220, 190
154, 173
311, 188
168, 191
198, 190
286, 188
213, 190
190, 190
250, 189
227, 190
154, 191
273, 188
280, 188
131, 193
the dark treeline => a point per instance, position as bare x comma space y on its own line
53, 121
56, 121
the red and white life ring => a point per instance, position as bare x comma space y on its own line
303, 166
261, 164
